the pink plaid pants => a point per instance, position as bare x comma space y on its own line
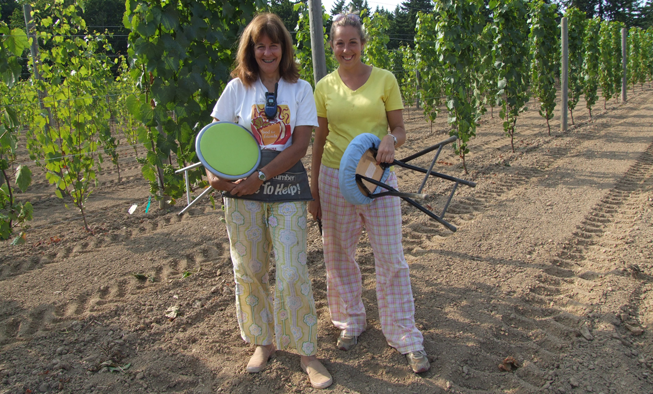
342, 226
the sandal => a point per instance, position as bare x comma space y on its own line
318, 375
260, 358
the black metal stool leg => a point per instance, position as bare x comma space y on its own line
406, 197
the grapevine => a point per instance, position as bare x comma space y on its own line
606, 67
543, 36
430, 81
591, 65
489, 76
12, 45
181, 51
376, 50
303, 51
510, 49
577, 21
76, 73
617, 58
458, 28
409, 75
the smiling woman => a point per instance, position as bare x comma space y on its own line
265, 211
355, 99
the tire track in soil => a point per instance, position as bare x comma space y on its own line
464, 207
105, 186
27, 323
548, 342
553, 331
107, 297
21, 266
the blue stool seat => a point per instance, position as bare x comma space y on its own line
347, 174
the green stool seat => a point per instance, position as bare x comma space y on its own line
228, 150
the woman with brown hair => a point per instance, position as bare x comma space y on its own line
267, 97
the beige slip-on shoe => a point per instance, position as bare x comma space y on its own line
318, 375
260, 358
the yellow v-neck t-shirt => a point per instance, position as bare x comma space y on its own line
353, 112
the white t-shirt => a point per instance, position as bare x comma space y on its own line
246, 106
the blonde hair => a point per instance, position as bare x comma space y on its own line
271, 26
352, 19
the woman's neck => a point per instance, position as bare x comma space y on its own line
269, 80
355, 70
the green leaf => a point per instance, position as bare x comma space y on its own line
119, 368
134, 106
20, 239
146, 114
126, 21
148, 172
140, 277
170, 18
186, 274
154, 15
27, 211
141, 134
17, 42
23, 177
227, 10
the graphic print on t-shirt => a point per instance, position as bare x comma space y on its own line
275, 131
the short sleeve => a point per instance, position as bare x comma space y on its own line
306, 113
225, 108
393, 99
320, 100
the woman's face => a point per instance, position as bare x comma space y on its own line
346, 45
268, 55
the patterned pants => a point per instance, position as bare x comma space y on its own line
342, 225
254, 229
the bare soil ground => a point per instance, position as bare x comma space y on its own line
551, 265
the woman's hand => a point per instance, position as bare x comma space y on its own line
220, 184
248, 186
321, 132
386, 151
314, 207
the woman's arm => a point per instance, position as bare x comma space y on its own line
386, 152
301, 137
321, 133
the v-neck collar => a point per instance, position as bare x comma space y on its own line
360, 87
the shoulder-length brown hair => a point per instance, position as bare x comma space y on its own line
269, 25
